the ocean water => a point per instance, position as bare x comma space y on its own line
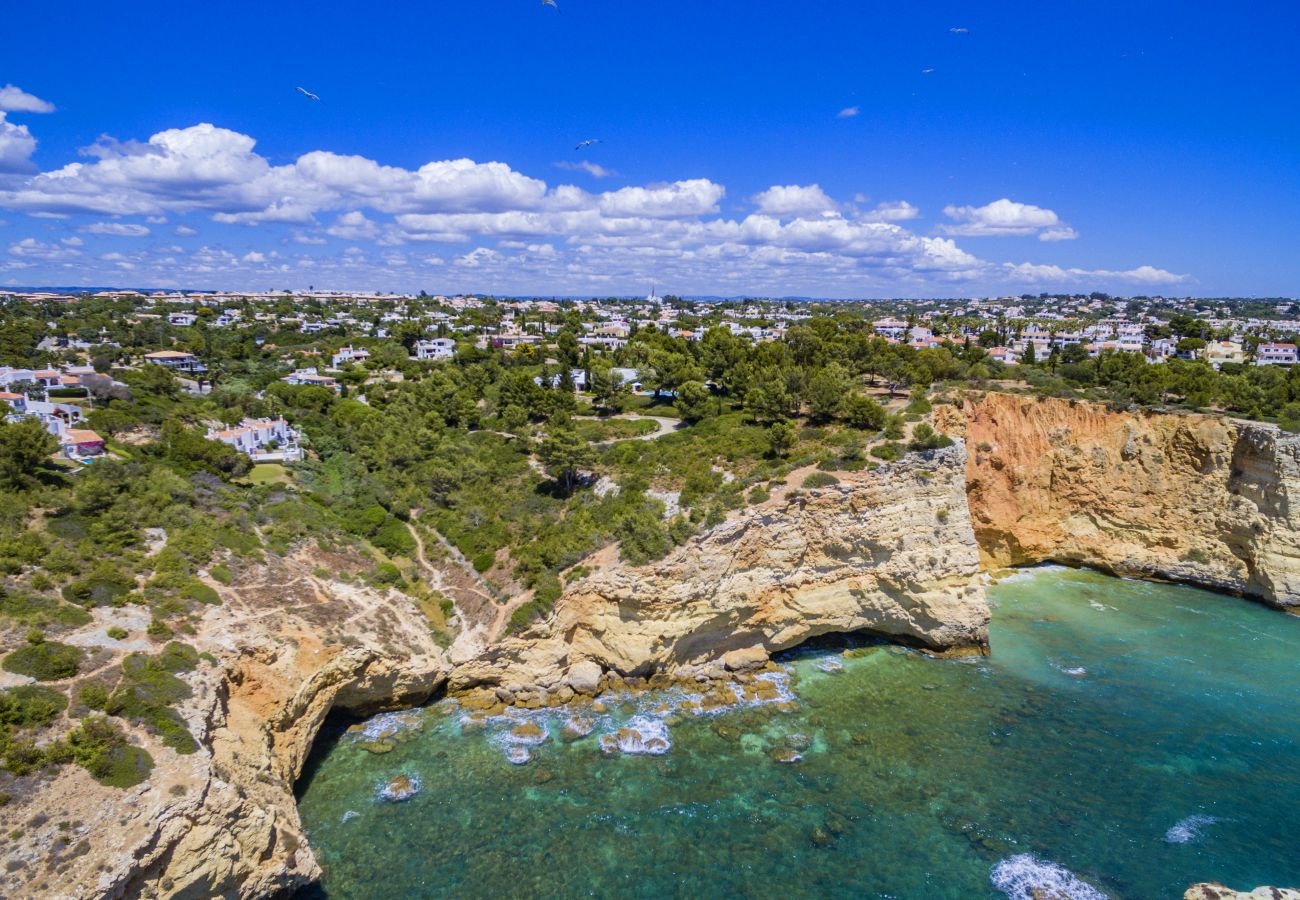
1124, 740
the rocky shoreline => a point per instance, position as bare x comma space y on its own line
897, 552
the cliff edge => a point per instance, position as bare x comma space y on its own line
1198, 499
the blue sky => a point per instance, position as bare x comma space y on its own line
757, 147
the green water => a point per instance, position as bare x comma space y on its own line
1110, 714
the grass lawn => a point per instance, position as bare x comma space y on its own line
268, 473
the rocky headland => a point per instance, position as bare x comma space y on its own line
898, 551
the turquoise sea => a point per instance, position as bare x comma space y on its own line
1125, 739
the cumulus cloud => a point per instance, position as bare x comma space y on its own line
848, 112
15, 99
1006, 218
595, 170
353, 226
120, 229
1033, 273
16, 147
31, 248
794, 200
516, 232
895, 211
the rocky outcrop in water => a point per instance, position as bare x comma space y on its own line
1214, 891
1197, 499
889, 551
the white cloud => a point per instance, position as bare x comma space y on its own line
515, 232
848, 112
353, 226
16, 147
595, 170
120, 229
15, 99
794, 200
896, 211
1006, 218
681, 199
1032, 273
31, 248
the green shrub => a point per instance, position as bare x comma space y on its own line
820, 480
221, 574
394, 538
148, 689
46, 661
888, 451
100, 748
93, 695
194, 589
158, 628
759, 494
35, 609
117, 632
387, 573
926, 438
31, 706
100, 589
643, 536
483, 561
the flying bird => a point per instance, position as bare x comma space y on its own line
308, 94
553, 3
929, 71
583, 145
959, 30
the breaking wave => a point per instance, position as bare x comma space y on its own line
1025, 876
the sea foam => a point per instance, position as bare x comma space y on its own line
1020, 876
1188, 829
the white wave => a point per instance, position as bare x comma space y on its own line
386, 725
641, 736
349, 816
831, 666
518, 755
1076, 672
1188, 829
1029, 574
397, 791
1023, 876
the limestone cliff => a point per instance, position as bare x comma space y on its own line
287, 646
890, 551
1198, 499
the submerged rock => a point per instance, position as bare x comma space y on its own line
528, 733
641, 737
576, 727
518, 755
400, 789
786, 756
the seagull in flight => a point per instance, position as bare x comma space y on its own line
583, 145
929, 71
308, 94
553, 3
959, 30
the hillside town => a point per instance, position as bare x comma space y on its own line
84, 343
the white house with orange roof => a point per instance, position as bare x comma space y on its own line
264, 440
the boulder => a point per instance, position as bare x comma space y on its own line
745, 658
584, 676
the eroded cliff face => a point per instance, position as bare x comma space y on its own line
1199, 499
286, 647
890, 551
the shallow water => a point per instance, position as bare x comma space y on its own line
1125, 739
